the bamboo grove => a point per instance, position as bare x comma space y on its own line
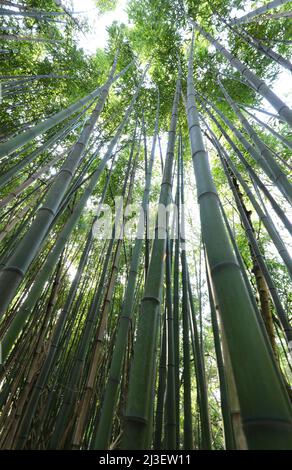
166, 332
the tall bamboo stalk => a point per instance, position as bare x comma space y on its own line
259, 11
286, 142
263, 216
249, 168
259, 85
245, 340
20, 140
141, 376
225, 406
267, 51
187, 402
62, 133
176, 310
170, 420
227, 163
161, 389
105, 421
201, 377
279, 177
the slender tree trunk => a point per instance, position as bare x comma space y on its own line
188, 425
256, 83
286, 142
284, 14
141, 377
104, 426
280, 178
239, 323
251, 172
259, 11
170, 424
225, 405
161, 390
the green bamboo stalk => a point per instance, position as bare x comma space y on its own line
201, 377
188, 425
263, 111
265, 407
249, 287
187, 401
259, 85
286, 142
242, 267
176, 310
253, 243
263, 216
259, 11
225, 407
161, 389
110, 397
251, 172
39, 14
141, 376
170, 424
279, 309
280, 178
30, 180
249, 147
251, 40
20, 140
259, 259
33, 155
267, 221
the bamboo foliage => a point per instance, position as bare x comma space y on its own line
170, 409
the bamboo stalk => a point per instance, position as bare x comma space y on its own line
141, 377
259, 85
243, 333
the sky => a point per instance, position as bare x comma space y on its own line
98, 37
